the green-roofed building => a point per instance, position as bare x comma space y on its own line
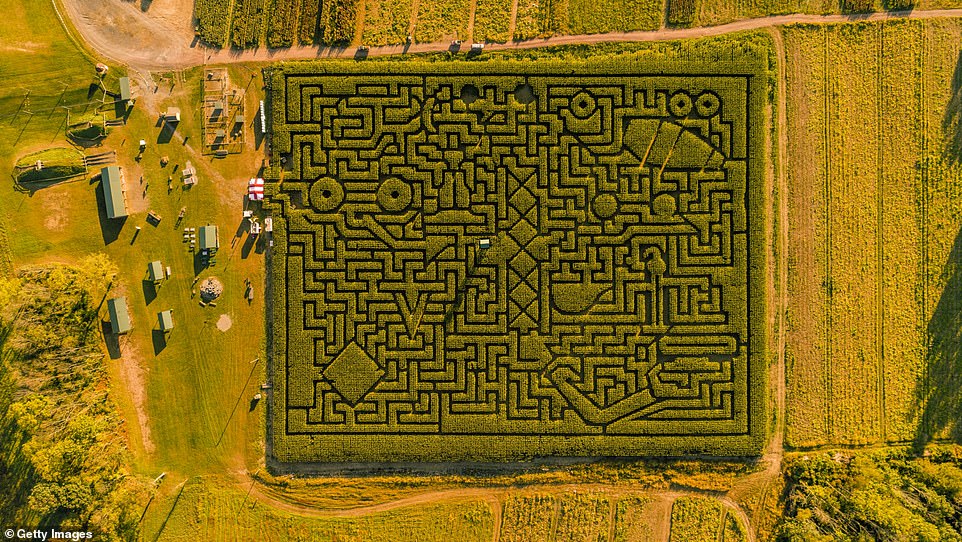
207, 238
166, 319
155, 271
119, 317
124, 88
113, 186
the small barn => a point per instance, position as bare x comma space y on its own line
172, 114
166, 320
155, 270
119, 317
207, 238
112, 184
124, 89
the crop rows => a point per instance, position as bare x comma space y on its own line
490, 22
682, 12
283, 22
874, 219
309, 30
561, 262
213, 20
386, 21
599, 16
339, 20
702, 518
248, 23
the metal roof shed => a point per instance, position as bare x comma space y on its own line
124, 88
166, 320
155, 270
207, 237
113, 187
119, 317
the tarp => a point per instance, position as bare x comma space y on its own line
255, 189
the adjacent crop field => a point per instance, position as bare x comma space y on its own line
488, 261
703, 518
213, 20
874, 221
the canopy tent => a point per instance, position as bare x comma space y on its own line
207, 237
255, 189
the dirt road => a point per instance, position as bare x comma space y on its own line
162, 37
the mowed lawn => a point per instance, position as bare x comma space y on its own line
875, 213
186, 399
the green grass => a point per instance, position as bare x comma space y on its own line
58, 163
213, 509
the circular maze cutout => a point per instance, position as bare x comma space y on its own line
605, 206
326, 195
524, 94
394, 195
470, 94
664, 206
707, 104
680, 104
582, 105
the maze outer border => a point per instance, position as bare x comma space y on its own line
386, 448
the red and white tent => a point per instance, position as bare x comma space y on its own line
255, 189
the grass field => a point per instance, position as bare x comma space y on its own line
703, 518
872, 274
207, 509
211, 508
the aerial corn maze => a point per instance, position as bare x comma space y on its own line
500, 261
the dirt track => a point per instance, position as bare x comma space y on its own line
161, 38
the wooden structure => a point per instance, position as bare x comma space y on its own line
112, 185
119, 317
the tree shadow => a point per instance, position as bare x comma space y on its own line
952, 119
941, 405
159, 339
109, 227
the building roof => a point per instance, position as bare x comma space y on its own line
119, 317
207, 237
239, 119
155, 270
172, 113
166, 319
125, 88
112, 185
